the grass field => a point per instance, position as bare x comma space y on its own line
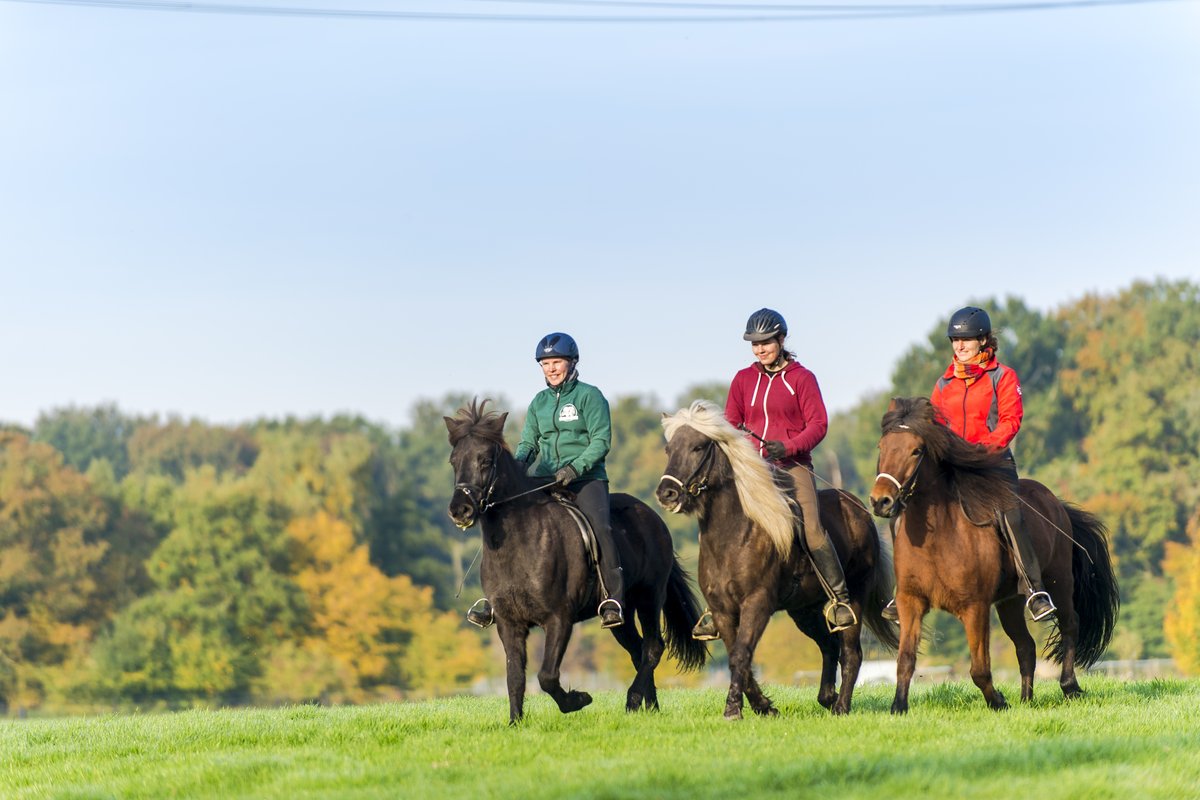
1122, 740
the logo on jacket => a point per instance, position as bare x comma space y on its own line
568, 413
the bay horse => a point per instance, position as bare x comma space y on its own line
752, 563
944, 496
536, 571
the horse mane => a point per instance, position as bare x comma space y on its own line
766, 505
980, 475
475, 420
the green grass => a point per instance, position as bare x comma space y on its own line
1123, 739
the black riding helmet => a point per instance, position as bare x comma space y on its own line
969, 323
764, 324
557, 345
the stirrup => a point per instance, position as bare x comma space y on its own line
831, 609
1045, 612
610, 623
480, 613
705, 629
890, 612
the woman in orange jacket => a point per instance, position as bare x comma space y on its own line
980, 399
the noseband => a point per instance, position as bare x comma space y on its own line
909, 486
695, 484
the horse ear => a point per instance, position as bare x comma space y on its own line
454, 427
894, 404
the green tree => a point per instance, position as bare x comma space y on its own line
85, 434
51, 539
223, 598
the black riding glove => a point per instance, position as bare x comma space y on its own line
775, 450
566, 475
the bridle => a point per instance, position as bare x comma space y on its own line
909, 486
482, 495
695, 484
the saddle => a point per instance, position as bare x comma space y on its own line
590, 546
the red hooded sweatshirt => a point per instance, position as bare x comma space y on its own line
785, 406
987, 412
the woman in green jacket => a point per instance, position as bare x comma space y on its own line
568, 433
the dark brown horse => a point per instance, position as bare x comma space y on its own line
535, 569
751, 562
944, 495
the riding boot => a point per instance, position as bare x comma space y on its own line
480, 613
838, 613
890, 612
1029, 570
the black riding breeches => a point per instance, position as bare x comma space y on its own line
592, 499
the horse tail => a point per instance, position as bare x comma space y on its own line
1096, 596
879, 595
681, 612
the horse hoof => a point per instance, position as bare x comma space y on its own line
899, 708
826, 700
767, 711
840, 710
633, 702
999, 704
733, 714
580, 700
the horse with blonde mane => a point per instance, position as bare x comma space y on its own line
752, 561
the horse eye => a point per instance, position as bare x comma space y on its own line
917, 452
698, 448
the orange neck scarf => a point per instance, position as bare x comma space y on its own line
973, 369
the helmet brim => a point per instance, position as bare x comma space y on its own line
761, 337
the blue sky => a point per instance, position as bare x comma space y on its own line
234, 216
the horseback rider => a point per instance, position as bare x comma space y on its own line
568, 425
980, 399
779, 403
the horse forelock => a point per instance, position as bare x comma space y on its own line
763, 502
475, 420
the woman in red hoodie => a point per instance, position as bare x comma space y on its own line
778, 402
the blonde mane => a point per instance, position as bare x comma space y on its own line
763, 502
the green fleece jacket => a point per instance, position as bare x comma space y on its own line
567, 425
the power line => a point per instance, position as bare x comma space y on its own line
751, 12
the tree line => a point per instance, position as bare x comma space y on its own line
166, 562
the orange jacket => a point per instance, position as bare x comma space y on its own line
987, 412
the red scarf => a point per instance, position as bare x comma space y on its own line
973, 370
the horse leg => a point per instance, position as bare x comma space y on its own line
558, 633
1012, 620
753, 617
653, 648
911, 610
644, 661
851, 660
514, 637
977, 624
1068, 630
812, 625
